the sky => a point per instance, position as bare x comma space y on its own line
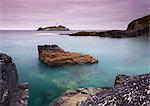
74, 14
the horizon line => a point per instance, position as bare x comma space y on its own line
69, 29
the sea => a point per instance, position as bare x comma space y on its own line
129, 56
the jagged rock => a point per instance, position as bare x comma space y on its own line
53, 28
76, 98
132, 91
120, 79
11, 92
54, 55
138, 27
127, 91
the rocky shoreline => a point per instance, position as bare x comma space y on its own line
127, 91
54, 55
54, 28
11, 92
76, 97
138, 27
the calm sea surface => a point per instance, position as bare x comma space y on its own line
130, 56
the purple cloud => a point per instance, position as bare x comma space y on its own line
76, 14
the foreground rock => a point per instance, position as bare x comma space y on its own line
54, 55
53, 28
127, 91
74, 98
11, 92
138, 27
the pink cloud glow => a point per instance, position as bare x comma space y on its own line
75, 14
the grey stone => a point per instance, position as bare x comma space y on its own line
10, 89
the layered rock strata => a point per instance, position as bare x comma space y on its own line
54, 55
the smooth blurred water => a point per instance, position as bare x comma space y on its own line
129, 56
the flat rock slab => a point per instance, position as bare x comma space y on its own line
54, 55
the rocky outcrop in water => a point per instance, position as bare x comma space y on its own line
138, 27
54, 55
53, 28
127, 91
11, 92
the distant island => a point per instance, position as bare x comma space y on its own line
138, 27
54, 28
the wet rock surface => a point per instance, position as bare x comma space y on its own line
11, 92
127, 91
130, 91
138, 27
54, 55
75, 97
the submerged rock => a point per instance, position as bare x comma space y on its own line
127, 91
138, 27
11, 92
54, 55
53, 28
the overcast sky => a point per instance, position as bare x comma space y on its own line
75, 14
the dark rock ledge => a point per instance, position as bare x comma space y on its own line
11, 92
127, 91
138, 27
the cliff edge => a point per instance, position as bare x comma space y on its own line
138, 27
11, 92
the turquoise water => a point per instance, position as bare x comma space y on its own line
116, 56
